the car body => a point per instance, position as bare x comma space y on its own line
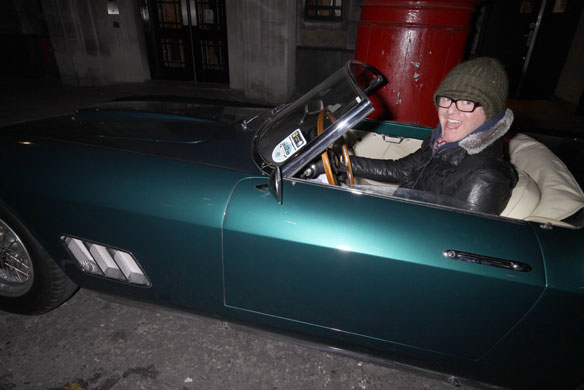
205, 208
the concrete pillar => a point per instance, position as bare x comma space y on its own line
261, 37
94, 47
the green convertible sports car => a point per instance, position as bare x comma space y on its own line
208, 207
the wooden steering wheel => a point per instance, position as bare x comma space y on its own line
325, 157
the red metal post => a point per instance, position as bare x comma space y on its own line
414, 44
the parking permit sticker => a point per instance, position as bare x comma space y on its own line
288, 146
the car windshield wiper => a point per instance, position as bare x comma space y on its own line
245, 124
260, 118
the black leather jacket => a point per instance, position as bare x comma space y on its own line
473, 170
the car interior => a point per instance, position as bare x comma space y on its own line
546, 191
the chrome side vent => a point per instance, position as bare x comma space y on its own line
105, 261
107, 265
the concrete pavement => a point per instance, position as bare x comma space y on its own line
95, 343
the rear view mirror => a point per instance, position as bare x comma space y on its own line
275, 184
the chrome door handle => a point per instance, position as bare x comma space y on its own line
486, 260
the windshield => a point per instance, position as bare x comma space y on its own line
289, 138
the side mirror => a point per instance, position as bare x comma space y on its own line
275, 184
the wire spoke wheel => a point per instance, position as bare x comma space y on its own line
16, 269
30, 281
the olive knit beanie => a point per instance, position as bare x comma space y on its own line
482, 80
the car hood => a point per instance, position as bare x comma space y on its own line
198, 131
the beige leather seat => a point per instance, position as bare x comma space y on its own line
560, 195
524, 198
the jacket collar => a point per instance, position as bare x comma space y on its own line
489, 132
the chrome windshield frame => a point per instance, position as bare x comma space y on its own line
333, 133
356, 111
337, 129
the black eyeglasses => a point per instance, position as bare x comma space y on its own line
461, 104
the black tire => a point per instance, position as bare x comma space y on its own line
38, 285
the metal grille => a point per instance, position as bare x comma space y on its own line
324, 9
211, 57
209, 14
173, 52
169, 14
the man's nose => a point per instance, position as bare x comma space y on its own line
452, 109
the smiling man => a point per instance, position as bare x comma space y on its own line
463, 158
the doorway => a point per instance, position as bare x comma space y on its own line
187, 40
532, 38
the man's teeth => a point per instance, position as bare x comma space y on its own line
453, 121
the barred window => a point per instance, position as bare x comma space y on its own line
331, 10
169, 14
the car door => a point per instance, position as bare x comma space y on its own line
378, 267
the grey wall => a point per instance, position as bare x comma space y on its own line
262, 48
275, 54
89, 49
329, 35
323, 47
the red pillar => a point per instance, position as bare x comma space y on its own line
414, 44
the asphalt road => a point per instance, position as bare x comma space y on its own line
95, 343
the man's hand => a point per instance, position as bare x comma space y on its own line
313, 170
316, 168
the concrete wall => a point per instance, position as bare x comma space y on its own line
262, 48
275, 54
329, 35
323, 47
571, 84
94, 48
